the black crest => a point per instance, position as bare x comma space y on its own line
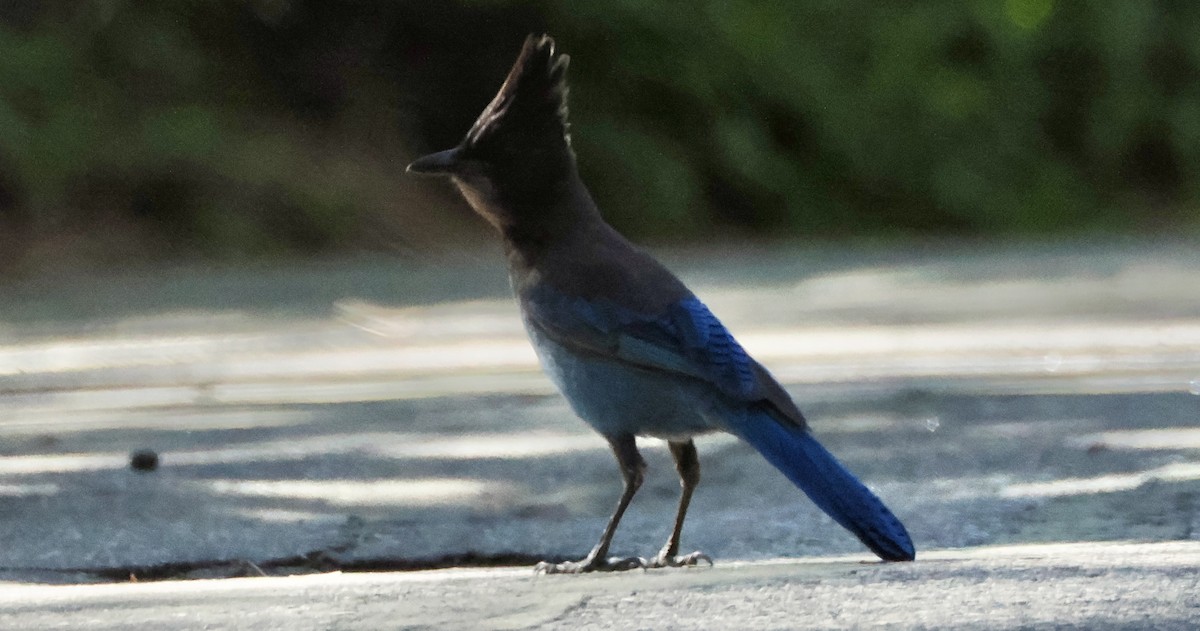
531, 106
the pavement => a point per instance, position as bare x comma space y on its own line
331, 439
1066, 586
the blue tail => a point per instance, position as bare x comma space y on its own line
835, 490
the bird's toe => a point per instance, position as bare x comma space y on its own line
687, 560
611, 564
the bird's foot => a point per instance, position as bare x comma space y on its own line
591, 564
688, 560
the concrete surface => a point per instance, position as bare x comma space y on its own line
1100, 586
388, 415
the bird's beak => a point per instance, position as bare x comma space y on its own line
440, 163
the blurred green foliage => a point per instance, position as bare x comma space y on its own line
839, 117
282, 126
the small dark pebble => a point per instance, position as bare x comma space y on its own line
143, 460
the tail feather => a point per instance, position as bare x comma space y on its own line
796, 453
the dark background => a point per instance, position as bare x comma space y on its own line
143, 131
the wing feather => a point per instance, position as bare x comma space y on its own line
686, 338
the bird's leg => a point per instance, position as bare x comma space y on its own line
633, 470
687, 463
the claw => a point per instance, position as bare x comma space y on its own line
687, 560
611, 564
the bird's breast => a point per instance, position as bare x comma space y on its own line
616, 398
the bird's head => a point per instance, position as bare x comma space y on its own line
519, 149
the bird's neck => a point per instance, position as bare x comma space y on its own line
564, 216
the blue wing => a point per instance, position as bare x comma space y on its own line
685, 338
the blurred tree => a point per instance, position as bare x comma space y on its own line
845, 117
132, 128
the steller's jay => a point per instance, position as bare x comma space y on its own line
632, 349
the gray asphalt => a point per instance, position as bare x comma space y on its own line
376, 415
1096, 586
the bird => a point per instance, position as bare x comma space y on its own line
631, 348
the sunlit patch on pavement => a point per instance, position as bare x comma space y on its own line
406, 492
478, 446
289, 516
1165, 438
1113, 483
27, 465
28, 490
